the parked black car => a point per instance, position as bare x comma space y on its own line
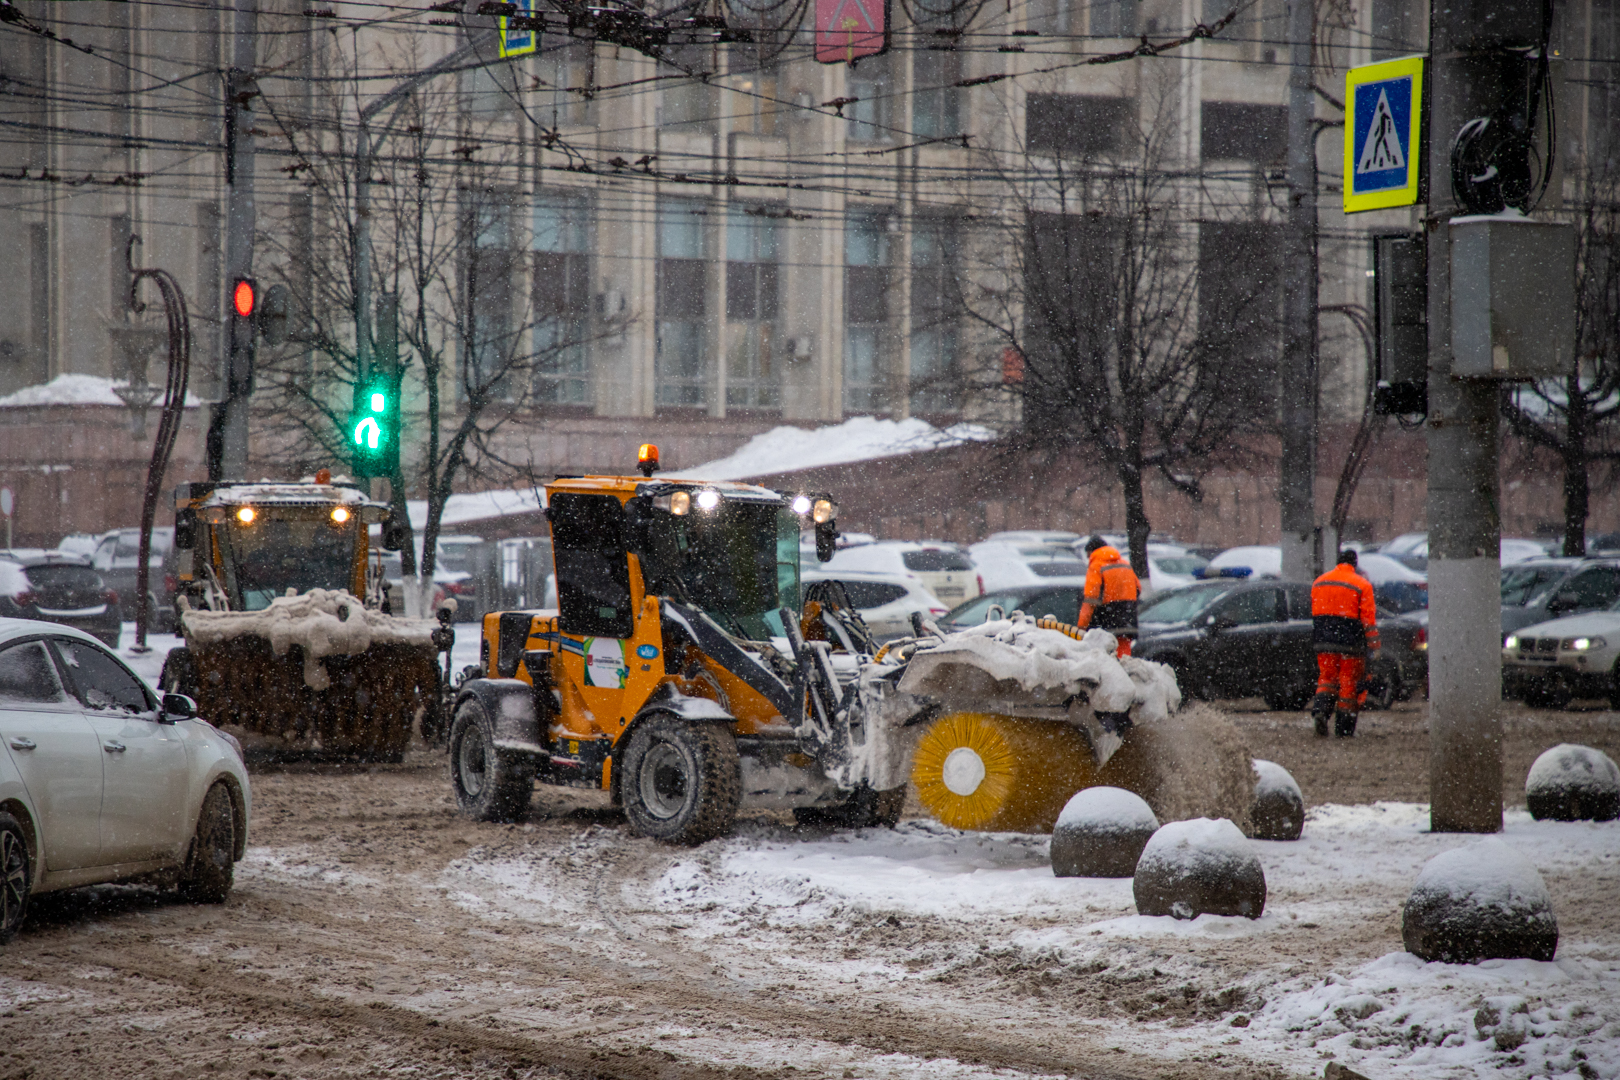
1538, 590
1060, 601
60, 589
1234, 638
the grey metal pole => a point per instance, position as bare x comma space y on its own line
1296, 480
228, 435
1469, 76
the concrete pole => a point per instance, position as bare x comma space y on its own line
228, 428
1296, 480
1469, 77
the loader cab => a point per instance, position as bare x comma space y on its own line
243, 545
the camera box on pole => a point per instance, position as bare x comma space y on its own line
1512, 298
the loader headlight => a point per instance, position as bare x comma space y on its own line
801, 505
678, 503
824, 511
246, 515
708, 499
340, 515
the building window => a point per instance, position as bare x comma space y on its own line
752, 295
490, 266
935, 108
1240, 304
1048, 16
1113, 18
935, 306
683, 303
870, 82
1260, 29
689, 103
562, 283
753, 103
564, 63
1077, 125
1232, 130
866, 309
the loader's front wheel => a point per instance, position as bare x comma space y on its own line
681, 781
490, 785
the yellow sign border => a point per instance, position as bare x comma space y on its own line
1354, 79
526, 8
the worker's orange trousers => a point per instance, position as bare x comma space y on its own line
1347, 674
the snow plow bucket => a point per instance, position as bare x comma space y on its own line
317, 670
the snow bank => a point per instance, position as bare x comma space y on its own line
77, 390
323, 622
1045, 664
860, 438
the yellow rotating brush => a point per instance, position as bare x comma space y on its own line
1000, 773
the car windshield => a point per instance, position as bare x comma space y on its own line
265, 559
1521, 583
935, 560
739, 563
1182, 605
1180, 564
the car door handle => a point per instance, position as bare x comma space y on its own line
113, 747
23, 744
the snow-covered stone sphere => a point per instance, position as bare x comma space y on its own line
1573, 783
1480, 902
1278, 810
1198, 867
1101, 833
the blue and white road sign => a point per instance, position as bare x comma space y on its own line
1383, 135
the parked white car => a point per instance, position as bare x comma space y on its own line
1004, 565
1030, 537
942, 569
1578, 656
101, 781
885, 601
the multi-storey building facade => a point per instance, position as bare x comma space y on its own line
711, 244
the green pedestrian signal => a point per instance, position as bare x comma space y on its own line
374, 430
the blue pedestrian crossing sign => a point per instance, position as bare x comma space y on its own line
1383, 134
518, 37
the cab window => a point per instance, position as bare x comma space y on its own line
593, 574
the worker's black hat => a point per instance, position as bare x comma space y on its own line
1347, 556
1094, 543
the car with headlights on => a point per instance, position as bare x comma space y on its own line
101, 780
1548, 664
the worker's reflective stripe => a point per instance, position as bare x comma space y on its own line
1118, 582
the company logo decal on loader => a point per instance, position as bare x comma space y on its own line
605, 663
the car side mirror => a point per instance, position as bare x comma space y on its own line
178, 707
826, 540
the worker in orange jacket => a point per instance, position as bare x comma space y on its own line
1112, 590
1345, 631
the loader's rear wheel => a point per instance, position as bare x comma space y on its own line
491, 785
867, 810
681, 780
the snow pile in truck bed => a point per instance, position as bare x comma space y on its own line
323, 622
1047, 665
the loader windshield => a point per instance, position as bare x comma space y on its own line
263, 560
739, 563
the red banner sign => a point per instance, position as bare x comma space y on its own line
847, 30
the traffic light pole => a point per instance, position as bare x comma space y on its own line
227, 444
1296, 481
1471, 72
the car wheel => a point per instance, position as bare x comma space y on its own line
14, 877
211, 866
1383, 687
868, 809
490, 785
681, 780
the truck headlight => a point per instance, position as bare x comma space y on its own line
708, 499
801, 505
824, 511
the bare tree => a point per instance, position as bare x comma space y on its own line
1575, 416
1089, 276
448, 249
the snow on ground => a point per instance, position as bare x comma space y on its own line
1391, 1016
861, 438
77, 390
